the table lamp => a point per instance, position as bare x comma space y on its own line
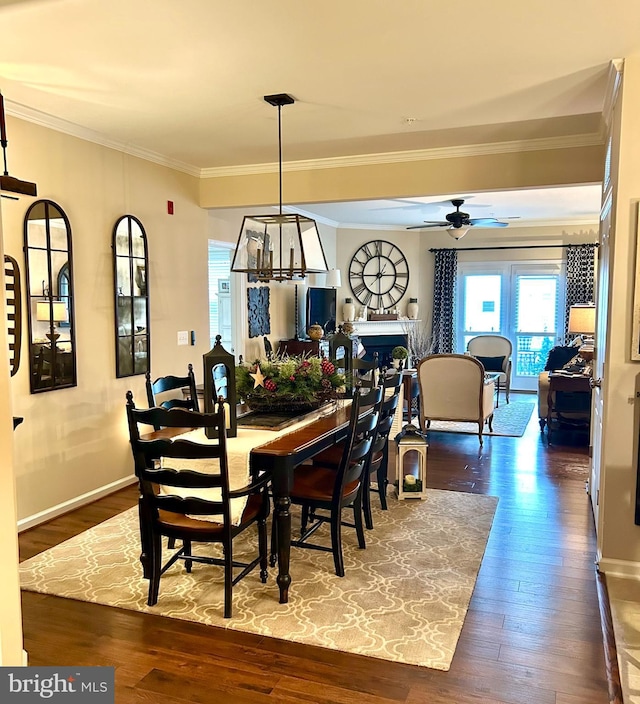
582, 321
51, 312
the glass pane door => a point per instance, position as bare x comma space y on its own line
523, 301
536, 323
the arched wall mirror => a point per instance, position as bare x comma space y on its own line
130, 266
49, 274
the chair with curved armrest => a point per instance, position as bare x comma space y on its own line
181, 500
494, 351
453, 387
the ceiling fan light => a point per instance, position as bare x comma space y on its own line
457, 232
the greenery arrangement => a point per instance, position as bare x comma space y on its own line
292, 384
399, 352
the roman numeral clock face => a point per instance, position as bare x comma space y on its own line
378, 274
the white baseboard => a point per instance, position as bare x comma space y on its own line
66, 506
619, 568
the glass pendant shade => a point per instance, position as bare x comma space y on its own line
279, 247
457, 232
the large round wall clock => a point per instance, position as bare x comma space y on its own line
378, 274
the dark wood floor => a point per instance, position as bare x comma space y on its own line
532, 633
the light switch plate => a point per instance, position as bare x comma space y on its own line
183, 337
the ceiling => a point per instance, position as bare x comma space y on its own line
185, 80
575, 205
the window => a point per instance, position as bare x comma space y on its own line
220, 309
522, 301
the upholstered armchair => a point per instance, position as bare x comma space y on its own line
453, 387
494, 351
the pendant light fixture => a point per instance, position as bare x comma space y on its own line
280, 247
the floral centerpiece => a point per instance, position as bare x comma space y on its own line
289, 384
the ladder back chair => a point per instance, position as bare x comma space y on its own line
317, 488
165, 384
185, 495
379, 457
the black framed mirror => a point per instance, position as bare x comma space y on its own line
49, 275
130, 266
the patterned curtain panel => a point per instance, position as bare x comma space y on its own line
444, 290
580, 278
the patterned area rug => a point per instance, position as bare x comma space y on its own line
404, 598
509, 420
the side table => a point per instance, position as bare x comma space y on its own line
568, 402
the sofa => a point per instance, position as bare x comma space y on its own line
560, 357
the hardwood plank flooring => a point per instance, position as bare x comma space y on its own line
532, 634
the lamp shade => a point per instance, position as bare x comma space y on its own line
44, 311
582, 319
457, 232
279, 247
333, 279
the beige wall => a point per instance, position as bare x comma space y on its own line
416, 244
405, 179
74, 441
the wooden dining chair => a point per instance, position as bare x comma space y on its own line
391, 381
379, 457
317, 488
366, 372
181, 501
166, 384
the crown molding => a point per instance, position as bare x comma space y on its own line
59, 125
467, 150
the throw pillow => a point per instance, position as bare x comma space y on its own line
491, 364
559, 356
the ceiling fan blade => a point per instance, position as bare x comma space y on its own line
487, 222
428, 224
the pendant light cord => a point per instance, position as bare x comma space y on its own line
280, 152
3, 135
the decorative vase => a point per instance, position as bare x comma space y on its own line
412, 309
315, 332
348, 310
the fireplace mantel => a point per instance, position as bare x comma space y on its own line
382, 327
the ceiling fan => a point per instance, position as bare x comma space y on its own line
458, 223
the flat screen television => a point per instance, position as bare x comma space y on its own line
321, 308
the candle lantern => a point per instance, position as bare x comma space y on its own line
220, 382
413, 443
341, 354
